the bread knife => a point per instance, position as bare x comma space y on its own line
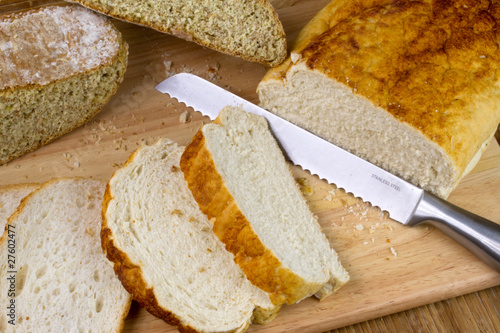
404, 202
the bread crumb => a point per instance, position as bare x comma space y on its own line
359, 227
304, 186
167, 64
295, 57
185, 117
393, 251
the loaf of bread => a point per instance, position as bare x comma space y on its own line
55, 277
249, 29
10, 198
412, 86
241, 181
165, 253
59, 65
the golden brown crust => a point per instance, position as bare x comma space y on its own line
260, 265
433, 65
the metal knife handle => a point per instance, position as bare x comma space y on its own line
479, 235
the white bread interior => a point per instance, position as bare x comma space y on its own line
165, 253
331, 110
63, 281
10, 198
296, 259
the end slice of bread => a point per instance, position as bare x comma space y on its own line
60, 65
58, 278
241, 181
249, 29
165, 253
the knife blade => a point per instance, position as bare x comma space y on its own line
405, 203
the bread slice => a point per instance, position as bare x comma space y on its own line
249, 29
59, 66
10, 198
410, 86
58, 278
165, 253
241, 181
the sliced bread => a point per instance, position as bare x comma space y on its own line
58, 279
165, 253
412, 86
10, 198
249, 29
59, 66
241, 181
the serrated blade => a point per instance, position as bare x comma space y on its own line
355, 175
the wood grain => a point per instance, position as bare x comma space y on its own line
393, 268
475, 312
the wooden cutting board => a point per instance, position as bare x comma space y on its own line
392, 267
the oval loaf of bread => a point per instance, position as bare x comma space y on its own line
412, 86
165, 253
241, 181
249, 29
59, 280
59, 65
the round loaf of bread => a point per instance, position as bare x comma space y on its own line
59, 66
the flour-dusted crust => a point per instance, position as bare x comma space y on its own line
428, 65
61, 65
249, 29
